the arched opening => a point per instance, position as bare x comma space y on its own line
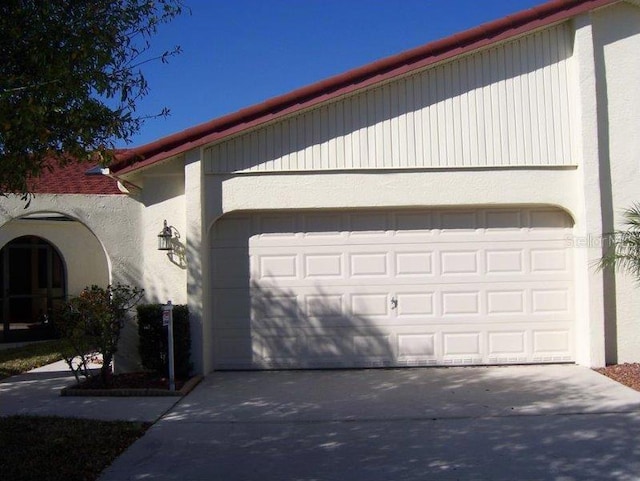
32, 285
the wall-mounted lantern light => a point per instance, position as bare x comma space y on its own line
164, 238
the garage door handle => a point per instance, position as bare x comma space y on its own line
394, 303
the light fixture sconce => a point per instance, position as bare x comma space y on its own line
164, 238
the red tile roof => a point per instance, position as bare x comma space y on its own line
72, 179
464, 42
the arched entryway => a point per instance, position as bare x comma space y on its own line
32, 284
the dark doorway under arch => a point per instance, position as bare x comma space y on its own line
32, 284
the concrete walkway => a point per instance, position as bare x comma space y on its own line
37, 393
556, 423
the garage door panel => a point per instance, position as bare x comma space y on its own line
417, 347
278, 346
357, 305
551, 345
231, 232
506, 302
310, 307
459, 262
274, 305
276, 226
277, 267
504, 220
404, 264
458, 222
550, 259
231, 306
420, 304
323, 266
367, 224
414, 223
458, 303
504, 260
312, 349
324, 306
367, 305
508, 345
329, 347
550, 300
233, 349
435, 237
393, 288
230, 267
462, 347
369, 264
414, 263
549, 219
373, 346
441, 344
323, 224
543, 224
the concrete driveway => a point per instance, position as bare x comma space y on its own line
483, 423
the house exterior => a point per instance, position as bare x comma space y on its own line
69, 236
444, 206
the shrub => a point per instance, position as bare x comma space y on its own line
153, 339
92, 323
623, 250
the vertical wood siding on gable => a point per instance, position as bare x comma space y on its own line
506, 106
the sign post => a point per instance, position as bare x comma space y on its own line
167, 320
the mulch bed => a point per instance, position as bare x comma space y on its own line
131, 384
130, 380
627, 374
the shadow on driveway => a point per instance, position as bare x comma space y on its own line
509, 423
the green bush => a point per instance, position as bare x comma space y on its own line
93, 322
153, 339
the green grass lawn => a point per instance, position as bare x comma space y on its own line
21, 359
51, 448
61, 449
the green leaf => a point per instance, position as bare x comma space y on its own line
70, 79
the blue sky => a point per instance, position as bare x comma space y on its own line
237, 53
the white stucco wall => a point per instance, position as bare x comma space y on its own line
197, 264
171, 191
589, 282
556, 186
115, 221
162, 195
617, 45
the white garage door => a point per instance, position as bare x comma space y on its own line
392, 288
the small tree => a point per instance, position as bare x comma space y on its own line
71, 79
92, 322
624, 245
